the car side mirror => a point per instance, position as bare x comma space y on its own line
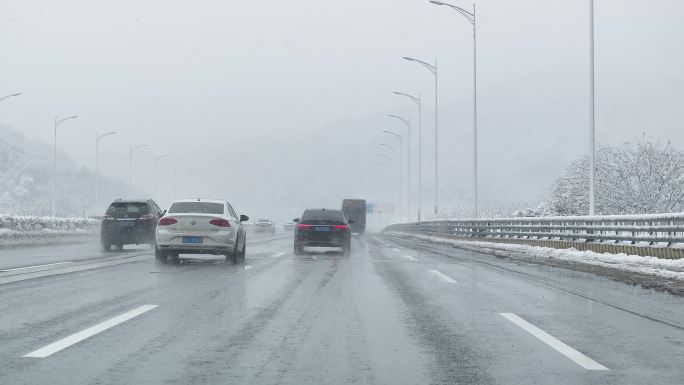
350, 221
296, 220
244, 218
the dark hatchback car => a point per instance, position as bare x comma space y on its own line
324, 228
130, 222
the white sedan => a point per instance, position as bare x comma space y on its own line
201, 226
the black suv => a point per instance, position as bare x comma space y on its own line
130, 222
322, 227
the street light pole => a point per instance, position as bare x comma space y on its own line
97, 169
54, 163
401, 166
130, 165
470, 16
592, 120
418, 102
433, 70
407, 122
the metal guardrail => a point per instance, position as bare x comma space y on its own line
662, 230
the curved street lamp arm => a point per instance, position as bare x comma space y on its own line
138, 147
406, 121
105, 134
430, 67
393, 134
9, 96
413, 98
391, 148
468, 15
156, 159
383, 156
59, 121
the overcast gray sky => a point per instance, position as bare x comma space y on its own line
258, 82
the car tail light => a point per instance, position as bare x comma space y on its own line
146, 217
302, 226
167, 221
342, 227
220, 222
108, 217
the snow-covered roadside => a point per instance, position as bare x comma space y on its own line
671, 269
32, 230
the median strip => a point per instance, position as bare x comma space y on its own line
556, 344
73, 339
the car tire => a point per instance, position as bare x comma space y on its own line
160, 255
173, 258
298, 249
346, 250
243, 253
106, 246
232, 255
120, 246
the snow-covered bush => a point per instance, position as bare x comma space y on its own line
638, 177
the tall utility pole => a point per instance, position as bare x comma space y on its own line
592, 121
97, 169
470, 16
433, 70
54, 162
418, 102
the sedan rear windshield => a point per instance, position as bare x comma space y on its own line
322, 215
127, 209
197, 208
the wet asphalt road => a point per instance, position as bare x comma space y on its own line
394, 312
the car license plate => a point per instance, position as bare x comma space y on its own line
192, 240
126, 223
322, 228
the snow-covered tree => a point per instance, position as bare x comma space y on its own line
636, 178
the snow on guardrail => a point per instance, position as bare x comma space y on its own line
18, 230
660, 235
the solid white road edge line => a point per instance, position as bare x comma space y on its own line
31, 267
556, 344
247, 268
91, 331
443, 276
278, 255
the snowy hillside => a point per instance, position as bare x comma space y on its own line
26, 179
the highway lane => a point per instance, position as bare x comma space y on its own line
82, 249
394, 312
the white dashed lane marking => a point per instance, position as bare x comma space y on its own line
556, 344
442, 276
87, 333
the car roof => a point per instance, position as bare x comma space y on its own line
201, 200
132, 201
